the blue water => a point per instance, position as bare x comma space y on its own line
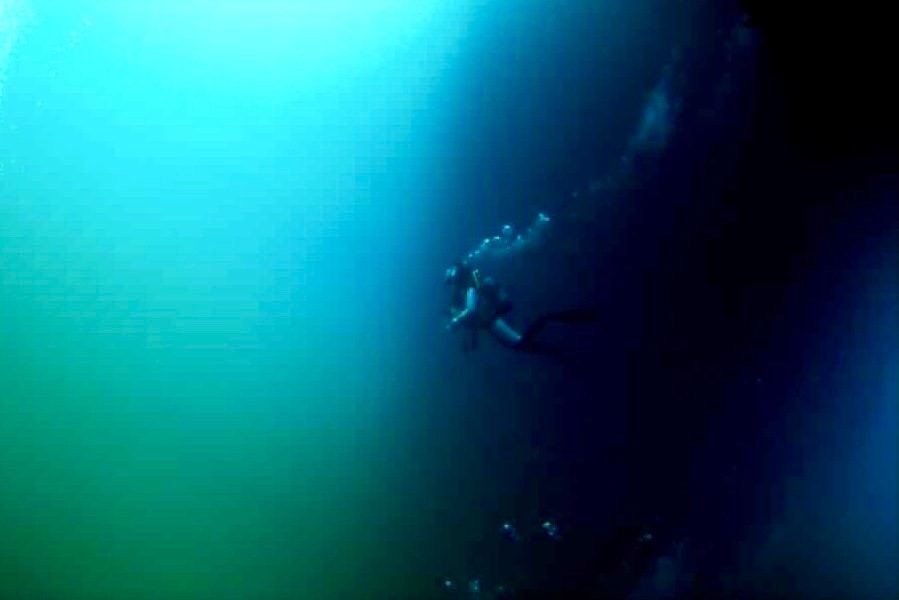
224, 368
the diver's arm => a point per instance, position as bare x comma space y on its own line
471, 300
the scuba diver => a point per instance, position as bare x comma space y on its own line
479, 302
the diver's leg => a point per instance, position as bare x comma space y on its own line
513, 340
575, 316
504, 333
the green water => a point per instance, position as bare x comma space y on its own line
200, 392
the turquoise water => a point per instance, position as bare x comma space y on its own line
201, 388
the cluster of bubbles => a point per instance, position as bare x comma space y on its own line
474, 589
658, 123
511, 241
547, 529
651, 137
